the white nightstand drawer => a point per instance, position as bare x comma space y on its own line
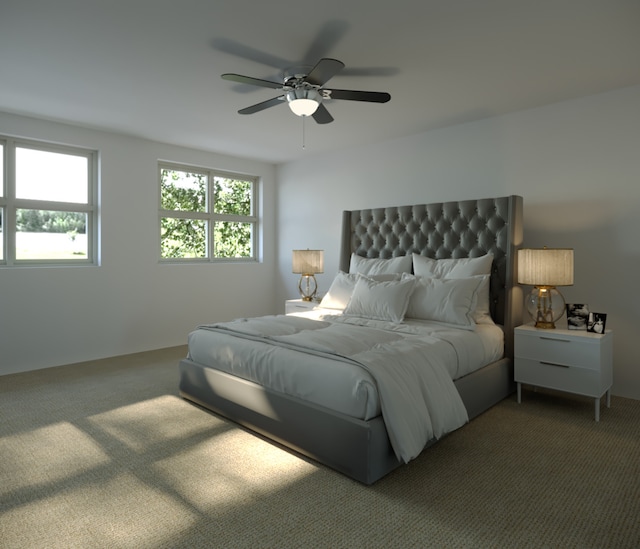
559, 350
582, 381
292, 306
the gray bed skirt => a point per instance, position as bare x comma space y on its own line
359, 449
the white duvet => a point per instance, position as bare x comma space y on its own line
411, 366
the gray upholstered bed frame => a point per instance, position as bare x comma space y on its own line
361, 449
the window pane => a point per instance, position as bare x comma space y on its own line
183, 191
232, 239
46, 234
42, 175
233, 196
183, 238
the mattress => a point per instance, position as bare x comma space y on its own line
336, 384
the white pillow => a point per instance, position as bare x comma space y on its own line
482, 314
463, 267
342, 287
375, 266
448, 300
380, 300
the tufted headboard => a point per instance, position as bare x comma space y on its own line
467, 228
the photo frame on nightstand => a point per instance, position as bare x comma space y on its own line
577, 316
597, 323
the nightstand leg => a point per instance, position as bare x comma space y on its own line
597, 409
519, 392
609, 398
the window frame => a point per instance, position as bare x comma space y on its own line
210, 217
10, 203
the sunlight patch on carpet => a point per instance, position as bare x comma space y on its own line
47, 455
143, 425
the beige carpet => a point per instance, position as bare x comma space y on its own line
105, 454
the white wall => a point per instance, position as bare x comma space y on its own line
576, 163
130, 303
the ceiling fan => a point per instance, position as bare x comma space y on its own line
304, 93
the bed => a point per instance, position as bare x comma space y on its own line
364, 445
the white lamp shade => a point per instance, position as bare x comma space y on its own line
308, 262
545, 266
303, 102
303, 107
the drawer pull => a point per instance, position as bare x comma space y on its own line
555, 339
554, 364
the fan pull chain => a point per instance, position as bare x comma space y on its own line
303, 132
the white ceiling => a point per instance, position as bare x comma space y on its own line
152, 68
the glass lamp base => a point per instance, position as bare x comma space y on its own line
307, 287
545, 325
545, 305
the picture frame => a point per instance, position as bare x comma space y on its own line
597, 323
577, 316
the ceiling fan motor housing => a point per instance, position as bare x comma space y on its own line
304, 93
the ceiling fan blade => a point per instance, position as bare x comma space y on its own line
327, 39
237, 49
252, 81
324, 70
369, 71
262, 106
322, 116
354, 95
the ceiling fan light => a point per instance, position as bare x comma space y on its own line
303, 102
303, 107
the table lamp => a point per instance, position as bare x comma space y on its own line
544, 269
308, 263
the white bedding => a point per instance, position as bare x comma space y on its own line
349, 364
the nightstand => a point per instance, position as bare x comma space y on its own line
298, 306
573, 361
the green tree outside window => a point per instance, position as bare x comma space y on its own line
199, 205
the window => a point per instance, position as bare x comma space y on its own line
48, 206
206, 215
